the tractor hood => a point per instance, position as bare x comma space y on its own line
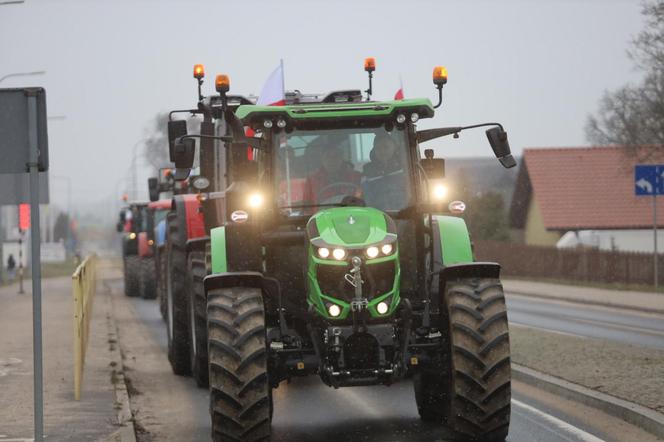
350, 226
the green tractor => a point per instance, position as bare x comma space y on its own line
335, 250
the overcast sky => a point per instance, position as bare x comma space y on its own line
539, 67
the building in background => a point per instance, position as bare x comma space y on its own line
588, 192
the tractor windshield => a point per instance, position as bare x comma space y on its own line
319, 168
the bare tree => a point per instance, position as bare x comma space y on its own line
633, 115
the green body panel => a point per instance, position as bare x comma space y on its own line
369, 227
218, 250
455, 241
336, 110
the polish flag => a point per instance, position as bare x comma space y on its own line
273, 92
399, 94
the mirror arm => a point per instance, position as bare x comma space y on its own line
182, 111
430, 134
211, 137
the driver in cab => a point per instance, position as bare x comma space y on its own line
335, 177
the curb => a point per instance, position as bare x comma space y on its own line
642, 417
585, 301
125, 419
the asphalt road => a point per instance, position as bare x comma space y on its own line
586, 320
169, 407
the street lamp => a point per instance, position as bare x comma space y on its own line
21, 74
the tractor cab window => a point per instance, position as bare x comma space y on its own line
319, 168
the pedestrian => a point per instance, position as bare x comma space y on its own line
11, 267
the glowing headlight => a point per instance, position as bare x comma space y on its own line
372, 252
386, 249
440, 191
334, 310
382, 308
150, 242
132, 235
324, 252
339, 254
267, 124
255, 200
401, 118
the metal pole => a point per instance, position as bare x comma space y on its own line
36, 269
20, 262
654, 234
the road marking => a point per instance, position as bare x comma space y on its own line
560, 424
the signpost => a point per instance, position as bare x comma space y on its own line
649, 181
24, 148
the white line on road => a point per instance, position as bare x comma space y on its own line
562, 425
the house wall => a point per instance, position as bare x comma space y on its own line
535, 233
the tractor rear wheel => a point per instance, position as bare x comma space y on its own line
131, 275
177, 317
148, 281
160, 258
239, 390
198, 317
471, 393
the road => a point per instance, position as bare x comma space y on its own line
628, 327
169, 407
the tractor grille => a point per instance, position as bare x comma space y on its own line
378, 280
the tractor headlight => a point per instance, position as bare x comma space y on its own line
440, 191
401, 118
281, 123
324, 252
386, 249
255, 200
132, 235
267, 124
334, 310
372, 252
339, 254
382, 307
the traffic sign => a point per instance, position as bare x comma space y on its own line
649, 179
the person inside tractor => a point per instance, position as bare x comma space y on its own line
335, 177
383, 179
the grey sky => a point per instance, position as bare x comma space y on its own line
539, 67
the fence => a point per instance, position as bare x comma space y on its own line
83, 288
589, 265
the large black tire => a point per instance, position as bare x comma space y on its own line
160, 257
177, 318
198, 317
148, 279
468, 385
132, 275
239, 390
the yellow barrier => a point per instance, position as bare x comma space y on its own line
83, 287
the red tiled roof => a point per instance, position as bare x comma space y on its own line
590, 188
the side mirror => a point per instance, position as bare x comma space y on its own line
501, 146
123, 216
433, 167
153, 188
183, 157
176, 129
119, 226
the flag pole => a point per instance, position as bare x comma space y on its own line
283, 77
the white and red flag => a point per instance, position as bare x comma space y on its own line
273, 92
399, 94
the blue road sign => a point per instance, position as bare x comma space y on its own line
649, 179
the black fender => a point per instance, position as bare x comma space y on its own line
197, 244
269, 286
468, 270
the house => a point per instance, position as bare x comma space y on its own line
582, 190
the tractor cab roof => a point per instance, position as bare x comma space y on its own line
333, 107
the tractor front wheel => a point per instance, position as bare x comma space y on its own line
148, 281
131, 275
177, 317
240, 399
468, 385
197, 317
